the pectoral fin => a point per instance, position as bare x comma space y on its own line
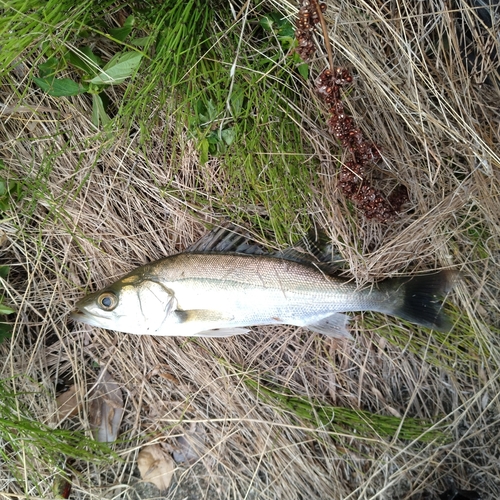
333, 326
204, 322
202, 316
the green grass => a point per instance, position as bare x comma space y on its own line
343, 421
36, 452
443, 350
30, 29
246, 120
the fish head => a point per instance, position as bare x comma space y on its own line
134, 304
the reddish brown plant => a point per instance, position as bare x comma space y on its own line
309, 16
353, 180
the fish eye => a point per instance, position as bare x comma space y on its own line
107, 301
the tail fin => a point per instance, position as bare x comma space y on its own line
417, 298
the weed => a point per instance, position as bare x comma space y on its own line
347, 421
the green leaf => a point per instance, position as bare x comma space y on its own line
286, 29
302, 67
207, 113
287, 42
121, 33
59, 87
48, 68
99, 114
6, 309
237, 98
282, 27
228, 135
141, 42
10, 191
4, 271
304, 71
118, 69
211, 110
201, 111
203, 147
86, 60
213, 138
266, 23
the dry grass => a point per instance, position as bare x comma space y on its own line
98, 206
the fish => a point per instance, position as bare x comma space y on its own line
225, 284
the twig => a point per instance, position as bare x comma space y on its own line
319, 9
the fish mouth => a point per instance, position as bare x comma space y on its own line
76, 314
84, 317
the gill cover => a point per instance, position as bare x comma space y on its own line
156, 303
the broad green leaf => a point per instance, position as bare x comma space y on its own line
228, 135
86, 60
237, 102
59, 87
121, 33
213, 137
201, 111
48, 68
99, 115
287, 42
6, 309
117, 58
207, 113
211, 110
267, 22
286, 29
304, 71
276, 21
118, 69
277, 18
302, 67
10, 191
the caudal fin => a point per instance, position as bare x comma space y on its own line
417, 298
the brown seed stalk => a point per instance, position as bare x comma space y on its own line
353, 180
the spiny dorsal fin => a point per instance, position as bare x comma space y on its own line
227, 239
314, 249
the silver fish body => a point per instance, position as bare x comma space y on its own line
216, 294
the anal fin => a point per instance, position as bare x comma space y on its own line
333, 326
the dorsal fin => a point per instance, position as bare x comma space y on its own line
227, 239
314, 249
